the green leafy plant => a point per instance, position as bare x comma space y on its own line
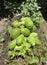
38, 18
33, 60
44, 50
11, 54
31, 8
23, 38
28, 22
12, 44
16, 23
25, 31
33, 39
20, 39
14, 32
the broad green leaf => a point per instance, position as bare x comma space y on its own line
33, 60
12, 44
14, 32
16, 23
28, 22
20, 39
33, 39
25, 31
11, 54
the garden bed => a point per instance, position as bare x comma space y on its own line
42, 61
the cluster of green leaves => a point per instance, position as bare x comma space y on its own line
33, 60
31, 8
23, 37
42, 53
38, 18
